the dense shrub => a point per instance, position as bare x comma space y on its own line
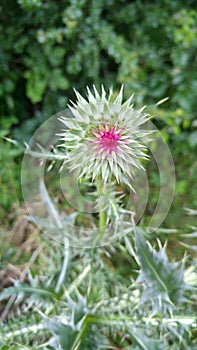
47, 47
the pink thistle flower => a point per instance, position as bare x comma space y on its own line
104, 138
108, 140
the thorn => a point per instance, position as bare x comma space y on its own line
162, 101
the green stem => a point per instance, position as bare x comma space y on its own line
102, 221
102, 212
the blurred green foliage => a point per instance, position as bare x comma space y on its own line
49, 47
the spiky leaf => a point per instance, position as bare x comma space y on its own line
162, 280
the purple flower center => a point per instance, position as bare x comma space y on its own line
107, 140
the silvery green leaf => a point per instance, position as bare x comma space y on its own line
142, 342
162, 280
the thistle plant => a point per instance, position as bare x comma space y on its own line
105, 141
128, 295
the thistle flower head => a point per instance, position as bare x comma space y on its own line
104, 137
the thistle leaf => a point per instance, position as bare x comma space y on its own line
162, 280
65, 334
142, 342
